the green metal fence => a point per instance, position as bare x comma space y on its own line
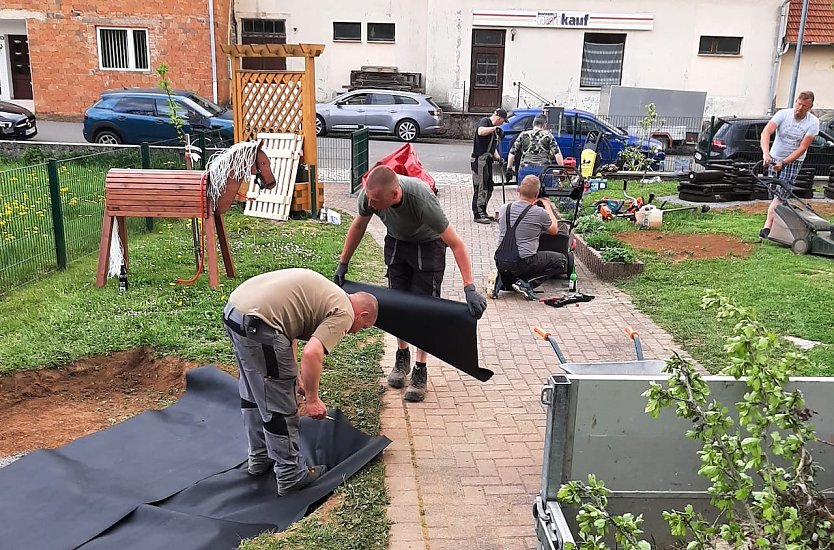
359, 158
51, 213
79, 201
27, 243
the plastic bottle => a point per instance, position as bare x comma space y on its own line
572, 281
123, 279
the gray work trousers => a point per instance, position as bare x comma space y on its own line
268, 399
482, 185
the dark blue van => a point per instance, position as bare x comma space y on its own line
136, 115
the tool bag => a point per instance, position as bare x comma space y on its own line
506, 256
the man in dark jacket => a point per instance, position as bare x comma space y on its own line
484, 151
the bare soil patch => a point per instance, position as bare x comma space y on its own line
48, 408
823, 208
687, 246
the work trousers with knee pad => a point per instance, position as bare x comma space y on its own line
269, 404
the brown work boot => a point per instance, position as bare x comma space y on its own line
401, 367
416, 390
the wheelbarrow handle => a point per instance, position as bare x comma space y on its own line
553, 343
635, 337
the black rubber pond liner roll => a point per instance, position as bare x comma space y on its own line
707, 176
443, 328
168, 479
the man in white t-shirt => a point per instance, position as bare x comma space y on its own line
795, 130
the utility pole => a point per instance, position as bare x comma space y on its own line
797, 54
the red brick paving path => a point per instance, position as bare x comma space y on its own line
465, 465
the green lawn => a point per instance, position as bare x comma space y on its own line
793, 295
53, 321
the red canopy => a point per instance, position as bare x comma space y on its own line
404, 161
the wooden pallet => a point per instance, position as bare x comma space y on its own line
284, 151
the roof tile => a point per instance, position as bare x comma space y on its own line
819, 27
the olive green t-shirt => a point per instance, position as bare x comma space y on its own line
297, 302
417, 219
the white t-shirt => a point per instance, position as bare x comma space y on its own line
790, 132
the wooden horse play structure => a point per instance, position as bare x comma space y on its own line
279, 102
180, 194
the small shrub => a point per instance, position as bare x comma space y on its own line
588, 225
601, 241
617, 254
33, 155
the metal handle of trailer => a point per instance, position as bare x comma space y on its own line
552, 529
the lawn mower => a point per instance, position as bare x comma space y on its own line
795, 224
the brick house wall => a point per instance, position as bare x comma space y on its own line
63, 47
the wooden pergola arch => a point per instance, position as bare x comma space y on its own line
277, 101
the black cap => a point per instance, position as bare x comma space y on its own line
501, 112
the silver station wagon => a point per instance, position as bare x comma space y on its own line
403, 114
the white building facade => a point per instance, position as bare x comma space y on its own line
474, 53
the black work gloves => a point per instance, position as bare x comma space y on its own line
341, 271
475, 300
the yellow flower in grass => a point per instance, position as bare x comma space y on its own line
63, 190
39, 213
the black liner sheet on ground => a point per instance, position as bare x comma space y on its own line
167, 479
443, 328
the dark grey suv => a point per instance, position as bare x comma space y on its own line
738, 138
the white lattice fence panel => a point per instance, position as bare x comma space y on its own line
283, 151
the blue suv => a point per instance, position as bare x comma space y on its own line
576, 125
136, 115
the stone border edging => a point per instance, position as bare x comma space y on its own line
607, 271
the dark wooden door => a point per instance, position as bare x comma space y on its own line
487, 71
21, 71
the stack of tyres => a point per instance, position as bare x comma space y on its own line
803, 186
828, 190
720, 182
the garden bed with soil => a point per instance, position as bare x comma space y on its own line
48, 408
687, 246
822, 207
607, 271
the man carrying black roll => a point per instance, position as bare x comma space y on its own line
417, 234
484, 151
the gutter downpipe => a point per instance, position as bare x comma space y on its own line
213, 52
798, 53
781, 49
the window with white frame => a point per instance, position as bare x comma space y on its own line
123, 49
